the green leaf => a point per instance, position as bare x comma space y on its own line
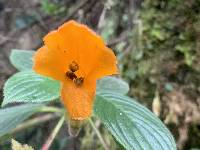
13, 116
133, 125
112, 84
27, 86
22, 59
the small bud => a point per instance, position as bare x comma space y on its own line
74, 127
156, 105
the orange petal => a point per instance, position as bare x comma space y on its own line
51, 40
55, 42
50, 60
78, 100
48, 63
106, 64
89, 50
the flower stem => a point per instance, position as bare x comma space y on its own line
52, 136
99, 135
33, 122
51, 109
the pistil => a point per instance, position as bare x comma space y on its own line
78, 81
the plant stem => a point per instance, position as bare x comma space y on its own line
99, 135
52, 136
51, 109
33, 122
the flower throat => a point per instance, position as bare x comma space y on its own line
73, 67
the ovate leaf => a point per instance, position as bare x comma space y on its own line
112, 84
13, 116
27, 86
133, 125
22, 59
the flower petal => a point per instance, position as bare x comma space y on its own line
55, 42
78, 100
48, 63
105, 64
50, 60
89, 49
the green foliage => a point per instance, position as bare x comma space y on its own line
164, 32
50, 8
165, 37
27, 86
108, 29
134, 126
112, 84
130, 123
13, 116
22, 59
185, 50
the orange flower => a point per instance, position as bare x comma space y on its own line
77, 57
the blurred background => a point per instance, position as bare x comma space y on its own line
158, 48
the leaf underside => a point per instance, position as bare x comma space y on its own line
133, 125
22, 59
28, 86
13, 116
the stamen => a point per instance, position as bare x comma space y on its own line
71, 75
73, 66
78, 81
